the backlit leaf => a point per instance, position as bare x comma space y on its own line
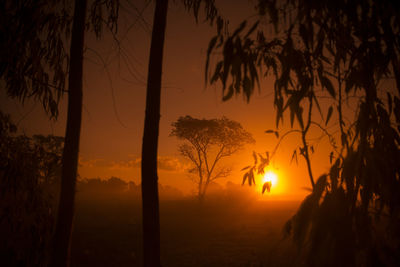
255, 157
266, 186
245, 177
245, 168
229, 94
294, 157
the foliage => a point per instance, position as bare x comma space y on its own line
206, 143
34, 63
33, 58
150, 198
29, 178
211, 12
333, 51
35, 34
260, 163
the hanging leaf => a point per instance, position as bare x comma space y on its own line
294, 156
255, 157
251, 178
245, 177
350, 81
240, 28
389, 102
317, 104
245, 168
331, 157
343, 138
330, 110
228, 55
252, 29
304, 34
267, 186
299, 115
247, 87
229, 94
209, 50
328, 85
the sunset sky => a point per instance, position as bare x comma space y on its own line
114, 98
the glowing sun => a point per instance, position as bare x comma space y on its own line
270, 176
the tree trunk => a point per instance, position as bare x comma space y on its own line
205, 187
62, 236
200, 188
150, 210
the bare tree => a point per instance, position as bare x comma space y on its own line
206, 143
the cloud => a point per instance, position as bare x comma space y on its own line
93, 163
165, 163
171, 164
126, 164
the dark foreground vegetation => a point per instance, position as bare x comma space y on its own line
335, 67
227, 230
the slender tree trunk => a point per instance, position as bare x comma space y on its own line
150, 210
203, 193
62, 236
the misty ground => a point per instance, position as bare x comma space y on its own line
223, 231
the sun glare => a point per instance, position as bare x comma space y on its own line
270, 176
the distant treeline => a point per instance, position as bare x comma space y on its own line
115, 185
97, 187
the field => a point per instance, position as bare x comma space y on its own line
218, 232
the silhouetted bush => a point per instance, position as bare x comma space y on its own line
29, 175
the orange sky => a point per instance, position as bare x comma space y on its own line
114, 100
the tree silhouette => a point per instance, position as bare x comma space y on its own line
207, 142
35, 56
29, 175
62, 235
150, 201
332, 50
37, 65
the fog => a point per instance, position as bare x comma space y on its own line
231, 227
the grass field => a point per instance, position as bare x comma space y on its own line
219, 232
